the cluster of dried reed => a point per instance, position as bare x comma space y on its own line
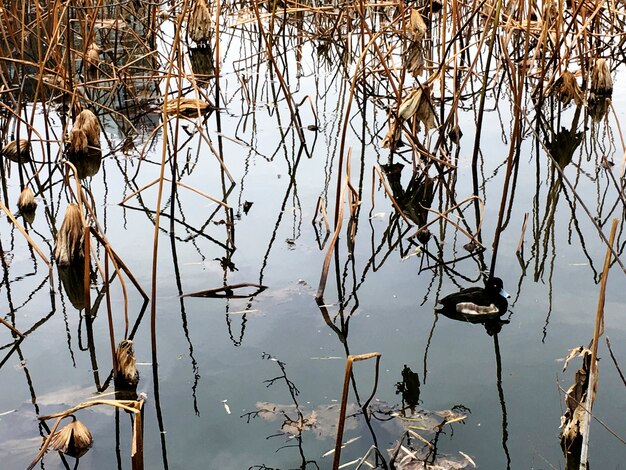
419, 65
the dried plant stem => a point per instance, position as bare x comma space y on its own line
136, 448
322, 285
30, 241
190, 188
598, 331
344, 399
117, 261
87, 270
444, 215
109, 312
127, 405
11, 327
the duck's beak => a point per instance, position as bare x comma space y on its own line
504, 294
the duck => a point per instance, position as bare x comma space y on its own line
476, 304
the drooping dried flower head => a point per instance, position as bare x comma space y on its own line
567, 89
200, 23
601, 80
88, 123
69, 242
92, 56
126, 369
26, 201
418, 103
78, 142
74, 439
18, 152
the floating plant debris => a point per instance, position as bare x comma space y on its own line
189, 107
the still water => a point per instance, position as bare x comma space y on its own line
234, 375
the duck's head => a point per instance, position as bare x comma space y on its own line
496, 286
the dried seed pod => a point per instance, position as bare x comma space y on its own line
69, 241
92, 56
26, 201
17, 153
601, 80
567, 89
73, 439
200, 25
126, 372
88, 123
78, 142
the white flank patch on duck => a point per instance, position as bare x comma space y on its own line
470, 308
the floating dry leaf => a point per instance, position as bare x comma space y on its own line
190, 107
424, 459
322, 420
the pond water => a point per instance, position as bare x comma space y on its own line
256, 381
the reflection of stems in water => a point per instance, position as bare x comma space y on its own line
91, 346
429, 341
550, 289
586, 210
445, 265
183, 313
295, 115
292, 183
505, 432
